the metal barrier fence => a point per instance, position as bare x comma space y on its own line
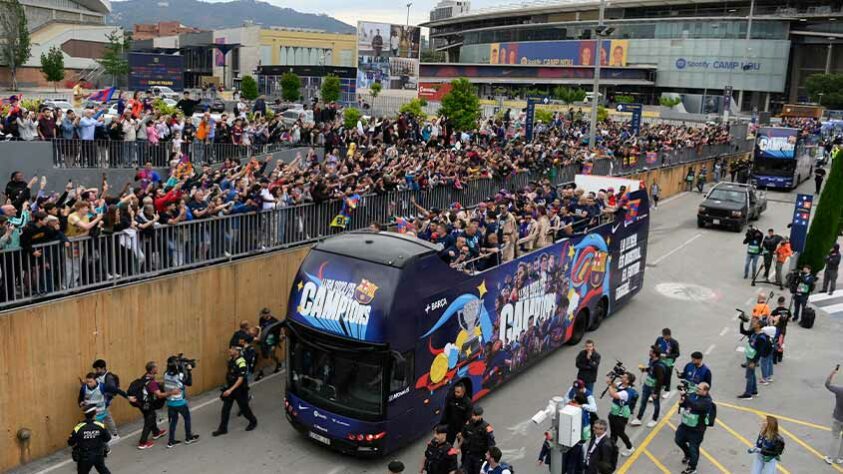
650, 160
55, 269
122, 154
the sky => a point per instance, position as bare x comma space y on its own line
387, 11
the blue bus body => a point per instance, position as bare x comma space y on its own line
783, 157
380, 328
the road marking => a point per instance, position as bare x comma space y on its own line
706, 455
751, 300
724, 331
672, 198
710, 348
137, 432
336, 470
650, 436
781, 418
825, 296
807, 446
657, 462
685, 244
745, 441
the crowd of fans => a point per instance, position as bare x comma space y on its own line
375, 156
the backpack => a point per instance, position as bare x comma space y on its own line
633, 399
114, 378
137, 389
711, 417
506, 466
766, 346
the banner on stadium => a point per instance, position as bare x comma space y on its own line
560, 53
388, 54
147, 70
433, 91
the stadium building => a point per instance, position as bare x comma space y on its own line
761, 51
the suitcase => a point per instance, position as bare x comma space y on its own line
808, 316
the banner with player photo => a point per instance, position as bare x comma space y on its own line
388, 54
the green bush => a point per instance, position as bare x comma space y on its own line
568, 95
669, 101
350, 117
624, 99
249, 88
544, 115
290, 85
826, 222
602, 114
159, 106
330, 91
414, 108
375, 89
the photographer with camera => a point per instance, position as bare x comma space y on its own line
178, 377
696, 410
655, 380
752, 239
624, 398
695, 372
755, 342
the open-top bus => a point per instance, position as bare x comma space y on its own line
380, 328
783, 157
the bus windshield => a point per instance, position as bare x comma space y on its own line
344, 380
773, 166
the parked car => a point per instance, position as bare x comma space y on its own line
731, 205
165, 92
289, 117
56, 104
215, 105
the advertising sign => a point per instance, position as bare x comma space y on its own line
774, 142
388, 54
448, 71
433, 91
799, 224
147, 70
636, 110
560, 53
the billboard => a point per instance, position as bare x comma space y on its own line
560, 53
433, 91
147, 70
388, 54
775, 142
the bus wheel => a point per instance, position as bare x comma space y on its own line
599, 315
580, 325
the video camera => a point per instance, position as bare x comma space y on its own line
182, 363
742, 315
684, 386
618, 371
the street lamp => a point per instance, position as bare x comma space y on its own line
600, 33
409, 4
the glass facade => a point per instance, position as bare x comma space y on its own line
686, 29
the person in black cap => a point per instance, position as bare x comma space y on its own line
456, 412
89, 440
395, 467
237, 390
474, 441
439, 456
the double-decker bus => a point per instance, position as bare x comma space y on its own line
380, 328
783, 157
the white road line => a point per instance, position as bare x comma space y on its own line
832, 309
751, 300
724, 331
660, 259
710, 348
825, 296
672, 198
137, 432
336, 470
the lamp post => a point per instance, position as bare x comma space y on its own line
409, 4
592, 130
746, 49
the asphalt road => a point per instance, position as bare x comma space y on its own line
692, 285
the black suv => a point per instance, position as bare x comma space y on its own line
731, 205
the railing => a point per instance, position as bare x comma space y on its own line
112, 259
650, 160
129, 155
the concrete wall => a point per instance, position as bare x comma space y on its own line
44, 349
36, 159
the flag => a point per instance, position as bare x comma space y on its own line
103, 95
8, 100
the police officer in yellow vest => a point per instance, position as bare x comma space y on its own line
237, 390
694, 409
89, 441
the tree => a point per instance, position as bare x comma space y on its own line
415, 107
350, 117
568, 95
113, 60
461, 105
602, 113
330, 89
375, 89
290, 85
826, 89
670, 101
52, 65
249, 88
543, 115
15, 48
826, 223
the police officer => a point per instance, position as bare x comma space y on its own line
695, 372
803, 286
474, 441
694, 410
456, 412
89, 441
237, 390
669, 352
439, 456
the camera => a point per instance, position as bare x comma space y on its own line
617, 371
683, 386
182, 363
742, 315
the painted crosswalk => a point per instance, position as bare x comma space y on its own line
832, 304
